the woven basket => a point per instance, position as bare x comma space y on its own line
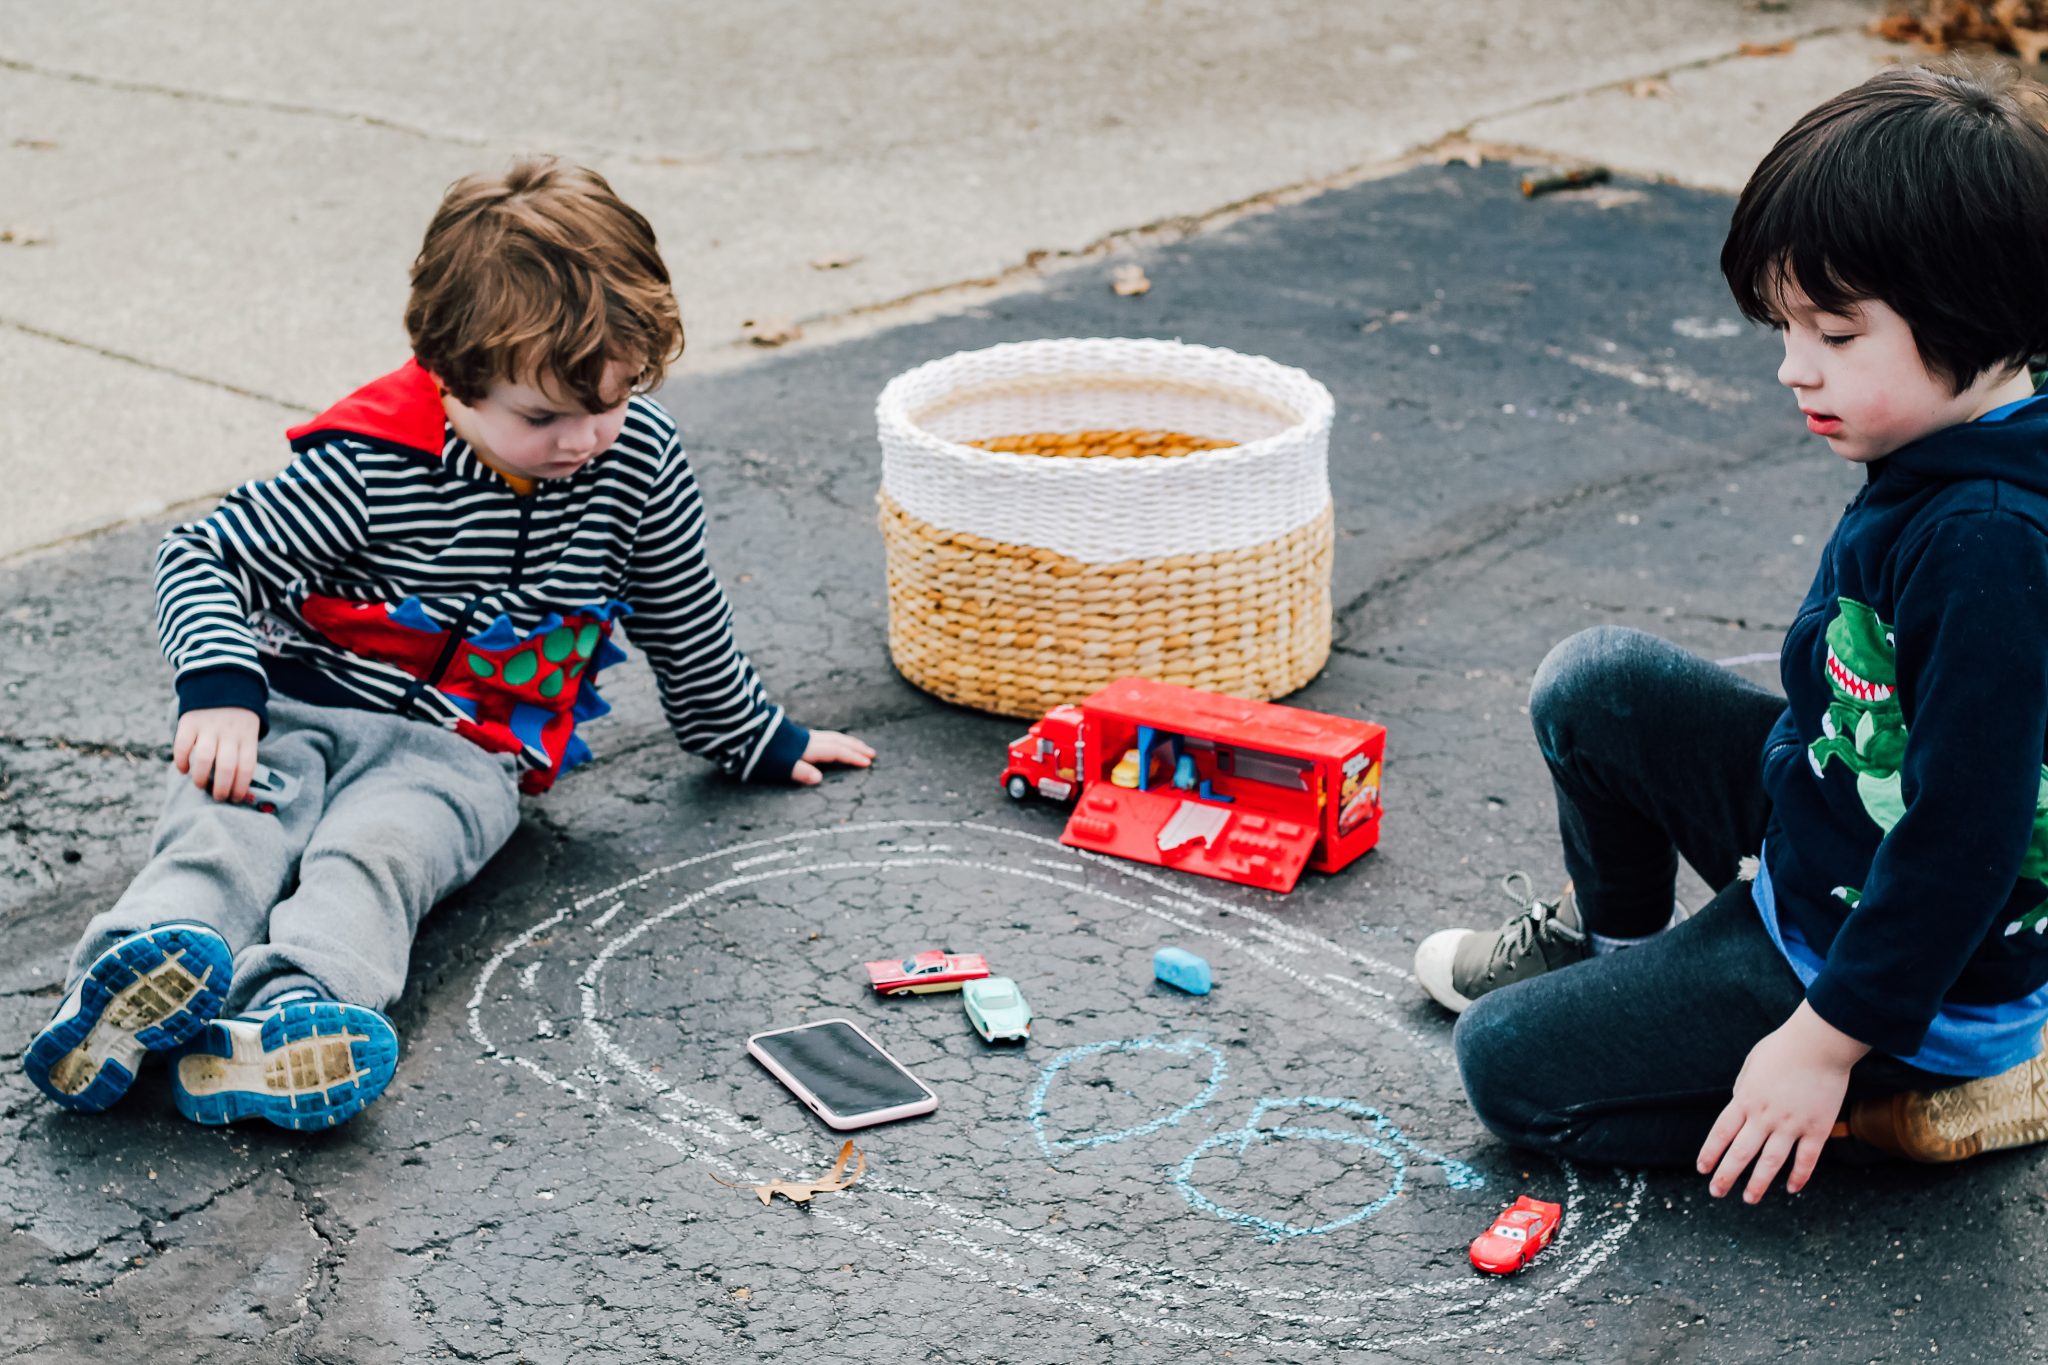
1100, 538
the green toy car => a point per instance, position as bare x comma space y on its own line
996, 1009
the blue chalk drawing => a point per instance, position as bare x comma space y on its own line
1182, 1047
1387, 1141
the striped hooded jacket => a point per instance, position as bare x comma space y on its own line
389, 568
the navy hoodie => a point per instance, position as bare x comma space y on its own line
1908, 839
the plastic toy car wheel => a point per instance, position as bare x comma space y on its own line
1017, 787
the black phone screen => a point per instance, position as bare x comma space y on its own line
845, 1071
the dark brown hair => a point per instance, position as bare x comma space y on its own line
1925, 190
544, 275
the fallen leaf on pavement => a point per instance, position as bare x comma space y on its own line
1463, 150
771, 331
1768, 49
24, 236
1656, 87
35, 144
801, 1191
837, 261
1128, 280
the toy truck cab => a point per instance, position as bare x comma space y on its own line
1048, 758
1245, 791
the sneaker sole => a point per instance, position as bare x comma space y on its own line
1433, 957
1988, 1115
307, 1066
148, 993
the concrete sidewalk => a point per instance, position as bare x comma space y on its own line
209, 208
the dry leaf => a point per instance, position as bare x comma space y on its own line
24, 236
800, 1191
743, 1293
1654, 88
836, 261
771, 331
1129, 280
1768, 49
1463, 150
35, 144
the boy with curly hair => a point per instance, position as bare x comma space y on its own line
406, 625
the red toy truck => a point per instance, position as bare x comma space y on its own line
1247, 791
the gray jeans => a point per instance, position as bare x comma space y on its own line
391, 815
1628, 1058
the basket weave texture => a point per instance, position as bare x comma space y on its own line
1027, 576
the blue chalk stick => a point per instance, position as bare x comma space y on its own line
1179, 967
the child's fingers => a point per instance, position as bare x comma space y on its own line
1740, 1153
1803, 1162
1768, 1163
245, 772
226, 760
201, 767
805, 774
1723, 1132
829, 747
181, 747
845, 748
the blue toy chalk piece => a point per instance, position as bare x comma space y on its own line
1179, 967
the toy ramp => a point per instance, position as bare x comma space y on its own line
1168, 829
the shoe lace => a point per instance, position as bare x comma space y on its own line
1521, 932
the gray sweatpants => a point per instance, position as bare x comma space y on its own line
391, 815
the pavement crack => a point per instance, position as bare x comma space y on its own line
296, 409
1484, 528
134, 87
321, 1282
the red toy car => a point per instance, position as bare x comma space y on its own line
926, 972
1522, 1230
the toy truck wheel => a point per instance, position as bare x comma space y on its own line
1017, 787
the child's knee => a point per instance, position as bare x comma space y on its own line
1579, 671
1494, 1051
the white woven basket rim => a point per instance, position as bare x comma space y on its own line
1316, 408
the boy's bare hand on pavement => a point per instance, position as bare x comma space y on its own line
216, 747
1786, 1100
829, 746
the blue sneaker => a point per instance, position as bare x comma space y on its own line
302, 1062
148, 993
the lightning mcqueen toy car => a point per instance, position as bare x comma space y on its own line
1522, 1230
926, 972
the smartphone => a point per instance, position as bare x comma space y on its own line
840, 1072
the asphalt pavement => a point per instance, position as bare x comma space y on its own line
1548, 417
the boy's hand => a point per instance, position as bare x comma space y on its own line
1786, 1100
829, 746
216, 745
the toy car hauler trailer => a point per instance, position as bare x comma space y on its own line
1247, 791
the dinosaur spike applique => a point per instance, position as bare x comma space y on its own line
521, 693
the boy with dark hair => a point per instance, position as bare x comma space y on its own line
1893, 805
410, 619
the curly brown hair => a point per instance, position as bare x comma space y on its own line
541, 275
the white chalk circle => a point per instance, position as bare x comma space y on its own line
579, 1052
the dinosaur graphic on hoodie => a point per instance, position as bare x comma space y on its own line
1865, 731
